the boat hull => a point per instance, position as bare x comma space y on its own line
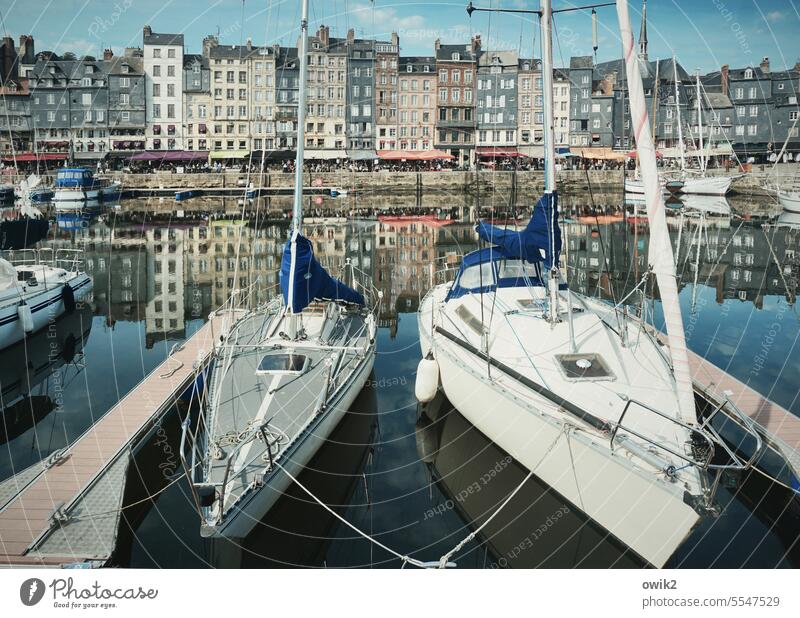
789, 201
707, 185
258, 503
650, 516
45, 307
86, 194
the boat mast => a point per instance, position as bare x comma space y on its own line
700, 126
546, 24
660, 251
297, 209
678, 108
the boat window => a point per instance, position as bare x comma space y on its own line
469, 319
283, 363
473, 277
517, 269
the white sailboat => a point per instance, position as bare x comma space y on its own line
690, 181
282, 375
577, 391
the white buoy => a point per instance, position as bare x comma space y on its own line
25, 317
427, 380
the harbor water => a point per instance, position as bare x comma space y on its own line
417, 478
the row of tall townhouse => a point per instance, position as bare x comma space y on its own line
363, 96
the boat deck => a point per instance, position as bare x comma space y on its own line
66, 510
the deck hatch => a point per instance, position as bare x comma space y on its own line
282, 363
589, 366
469, 319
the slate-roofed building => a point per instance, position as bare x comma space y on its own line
497, 102
456, 67
127, 105
197, 102
416, 108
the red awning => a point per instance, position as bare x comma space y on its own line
22, 157
413, 155
492, 152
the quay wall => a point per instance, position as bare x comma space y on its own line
526, 182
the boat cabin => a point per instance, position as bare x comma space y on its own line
74, 178
488, 269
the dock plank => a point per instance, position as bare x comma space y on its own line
27, 517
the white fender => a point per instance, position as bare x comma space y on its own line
25, 317
427, 380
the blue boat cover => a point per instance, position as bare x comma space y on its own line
306, 280
540, 238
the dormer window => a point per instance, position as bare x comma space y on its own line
409, 69
86, 81
526, 67
748, 74
126, 68
89, 69
455, 56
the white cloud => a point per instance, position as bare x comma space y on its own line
774, 16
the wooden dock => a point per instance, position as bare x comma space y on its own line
776, 420
41, 505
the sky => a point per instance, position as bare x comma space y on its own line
703, 34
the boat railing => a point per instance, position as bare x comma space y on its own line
70, 260
706, 443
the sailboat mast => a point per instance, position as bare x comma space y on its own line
297, 209
678, 110
700, 126
546, 24
660, 256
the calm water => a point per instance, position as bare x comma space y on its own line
400, 473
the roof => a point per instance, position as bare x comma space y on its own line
718, 100
505, 58
114, 66
561, 74
189, 60
287, 56
532, 64
155, 38
445, 53
236, 51
416, 63
581, 62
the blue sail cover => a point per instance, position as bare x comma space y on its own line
540, 238
309, 281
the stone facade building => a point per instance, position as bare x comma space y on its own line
163, 67
416, 108
387, 118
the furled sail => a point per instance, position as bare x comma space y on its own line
540, 241
304, 280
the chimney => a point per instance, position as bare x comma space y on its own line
323, 34
764, 65
797, 66
249, 44
723, 79
147, 31
208, 43
108, 54
476, 44
351, 36
396, 40
27, 53
437, 44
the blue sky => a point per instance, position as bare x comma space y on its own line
702, 33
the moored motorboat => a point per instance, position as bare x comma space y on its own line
37, 286
80, 185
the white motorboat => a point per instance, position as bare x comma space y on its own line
789, 200
579, 392
281, 378
36, 287
80, 185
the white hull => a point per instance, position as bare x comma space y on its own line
46, 306
707, 185
645, 511
258, 503
85, 195
789, 200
